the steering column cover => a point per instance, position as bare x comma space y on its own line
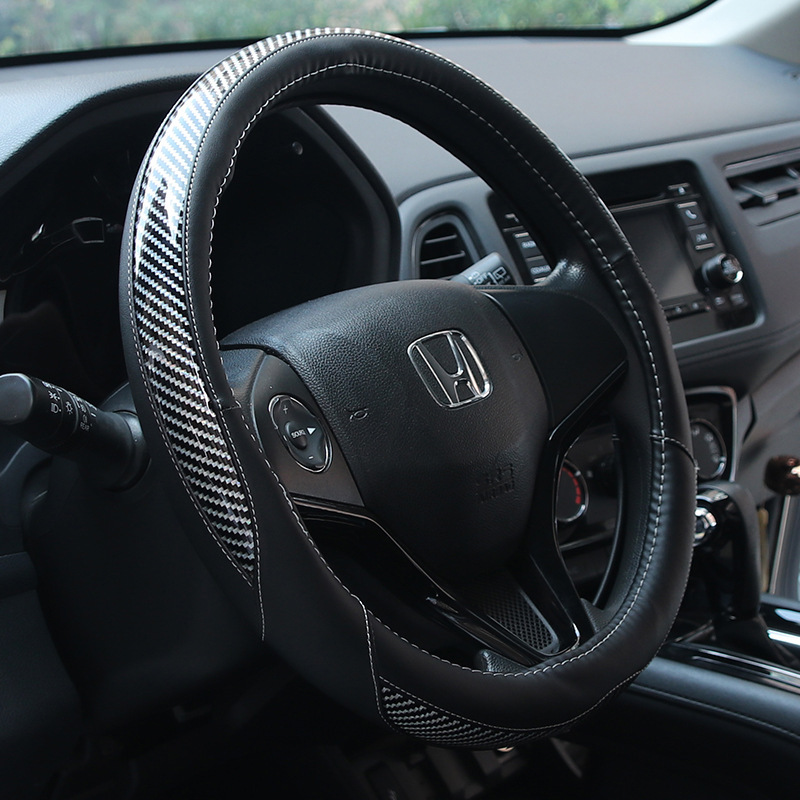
242, 520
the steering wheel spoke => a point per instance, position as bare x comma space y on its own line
577, 353
291, 429
518, 613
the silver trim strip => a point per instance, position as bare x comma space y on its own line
726, 391
791, 639
777, 578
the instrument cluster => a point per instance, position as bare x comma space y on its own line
588, 500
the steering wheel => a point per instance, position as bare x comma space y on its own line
429, 415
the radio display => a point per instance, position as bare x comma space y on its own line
660, 251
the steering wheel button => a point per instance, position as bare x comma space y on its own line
301, 433
298, 437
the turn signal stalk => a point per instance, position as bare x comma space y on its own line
107, 445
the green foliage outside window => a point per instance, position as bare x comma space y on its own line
36, 26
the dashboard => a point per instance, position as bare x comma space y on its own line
706, 188
329, 223
706, 191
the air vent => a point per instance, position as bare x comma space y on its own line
444, 247
768, 188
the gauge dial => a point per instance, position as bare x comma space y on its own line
709, 450
572, 497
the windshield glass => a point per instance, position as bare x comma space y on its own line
45, 26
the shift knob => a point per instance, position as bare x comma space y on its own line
782, 475
735, 522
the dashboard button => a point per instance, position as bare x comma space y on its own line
722, 270
690, 214
738, 299
538, 267
720, 302
526, 244
680, 189
700, 237
731, 269
698, 305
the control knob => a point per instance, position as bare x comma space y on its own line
782, 475
721, 271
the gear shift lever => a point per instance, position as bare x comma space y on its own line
734, 513
732, 545
783, 477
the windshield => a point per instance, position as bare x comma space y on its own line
46, 26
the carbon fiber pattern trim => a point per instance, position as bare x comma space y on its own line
168, 348
424, 721
489, 661
502, 600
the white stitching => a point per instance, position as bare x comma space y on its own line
543, 729
680, 445
623, 291
587, 239
372, 669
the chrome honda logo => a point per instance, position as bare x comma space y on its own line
450, 369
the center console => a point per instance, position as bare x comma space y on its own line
729, 674
670, 224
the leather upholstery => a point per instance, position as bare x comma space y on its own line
240, 518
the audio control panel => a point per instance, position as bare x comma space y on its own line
717, 284
670, 224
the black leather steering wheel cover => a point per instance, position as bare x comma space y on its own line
311, 618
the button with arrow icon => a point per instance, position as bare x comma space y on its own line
301, 433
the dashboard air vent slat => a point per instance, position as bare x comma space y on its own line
767, 189
443, 248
